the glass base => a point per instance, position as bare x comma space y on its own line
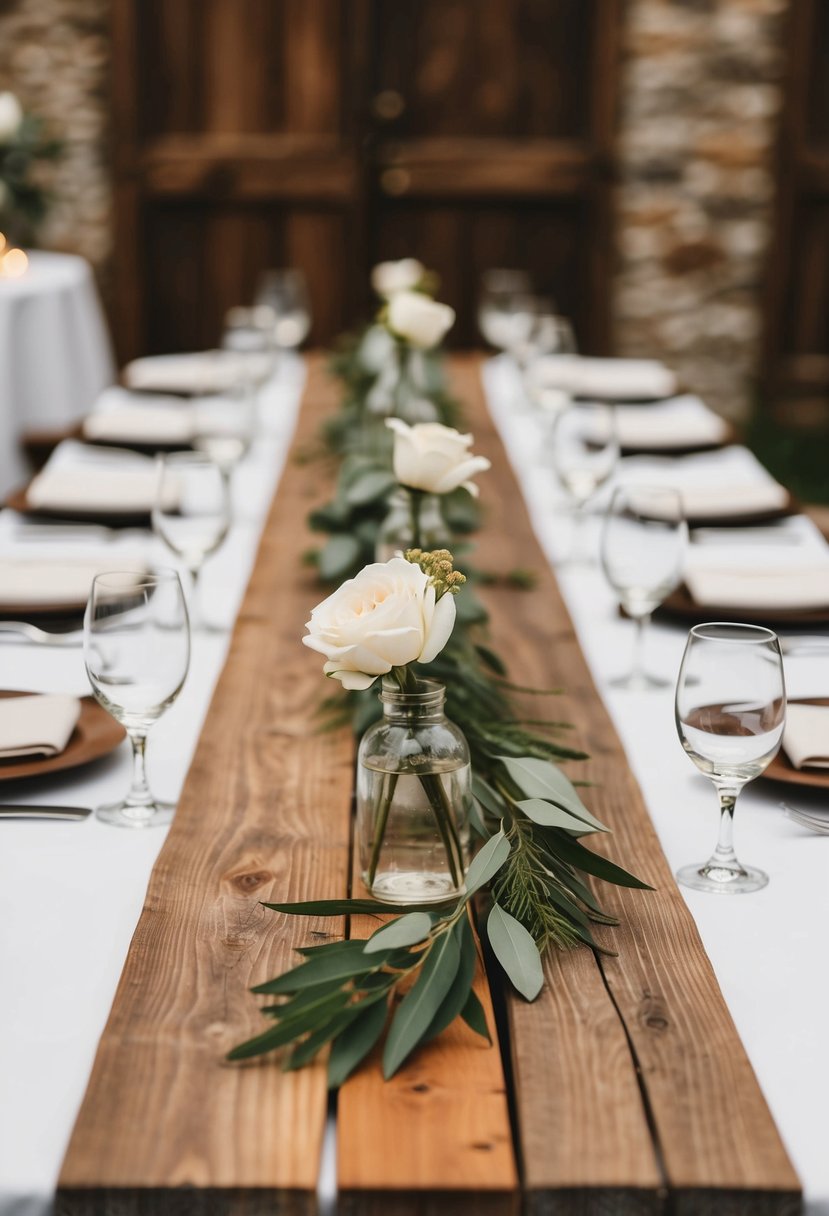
210, 627
410, 887
639, 682
127, 815
722, 880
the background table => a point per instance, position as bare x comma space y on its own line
55, 353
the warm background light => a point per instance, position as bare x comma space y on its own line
13, 264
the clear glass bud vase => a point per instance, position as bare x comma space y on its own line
409, 524
413, 797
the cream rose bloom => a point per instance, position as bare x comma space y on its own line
434, 458
419, 320
11, 116
385, 617
387, 278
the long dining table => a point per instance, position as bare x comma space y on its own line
71, 897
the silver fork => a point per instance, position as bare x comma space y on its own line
23, 631
815, 823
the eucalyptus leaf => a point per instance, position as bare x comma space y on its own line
354, 1043
486, 863
339, 554
541, 779
458, 994
343, 907
288, 1029
305, 1051
324, 967
474, 1016
489, 799
577, 855
419, 1006
516, 951
405, 931
370, 486
551, 816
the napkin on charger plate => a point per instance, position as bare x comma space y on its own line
683, 422
732, 500
788, 588
165, 424
37, 725
127, 491
607, 379
197, 373
44, 581
806, 735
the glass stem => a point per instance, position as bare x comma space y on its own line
139, 795
724, 857
578, 547
386, 799
195, 597
638, 668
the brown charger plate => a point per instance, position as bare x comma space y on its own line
18, 501
781, 769
681, 604
95, 735
144, 448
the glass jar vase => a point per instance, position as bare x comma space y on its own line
413, 798
411, 524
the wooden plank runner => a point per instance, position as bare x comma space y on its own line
632, 1088
264, 814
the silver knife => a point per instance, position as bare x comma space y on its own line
74, 813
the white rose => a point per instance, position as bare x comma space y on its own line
419, 320
11, 116
434, 458
387, 616
387, 278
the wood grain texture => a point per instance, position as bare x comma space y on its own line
437, 1137
265, 814
716, 1143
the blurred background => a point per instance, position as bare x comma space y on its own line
660, 167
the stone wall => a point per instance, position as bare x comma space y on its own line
55, 55
700, 99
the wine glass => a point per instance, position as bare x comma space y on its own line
642, 550
506, 309
224, 428
553, 349
730, 714
585, 451
285, 292
191, 514
137, 652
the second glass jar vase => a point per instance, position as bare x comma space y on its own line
413, 796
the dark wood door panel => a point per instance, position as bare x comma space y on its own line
205, 259
502, 68
550, 240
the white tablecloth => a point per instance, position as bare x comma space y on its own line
55, 353
767, 948
70, 895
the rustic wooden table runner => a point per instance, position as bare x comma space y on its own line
631, 1091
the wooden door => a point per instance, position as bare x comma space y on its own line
329, 134
492, 140
797, 318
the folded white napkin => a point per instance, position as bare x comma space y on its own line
197, 373
167, 424
732, 500
788, 587
126, 491
41, 582
684, 422
36, 726
608, 379
806, 735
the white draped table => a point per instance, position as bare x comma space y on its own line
70, 895
55, 353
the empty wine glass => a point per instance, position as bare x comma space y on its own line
225, 427
730, 714
585, 451
506, 309
137, 652
553, 351
191, 514
285, 292
644, 536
